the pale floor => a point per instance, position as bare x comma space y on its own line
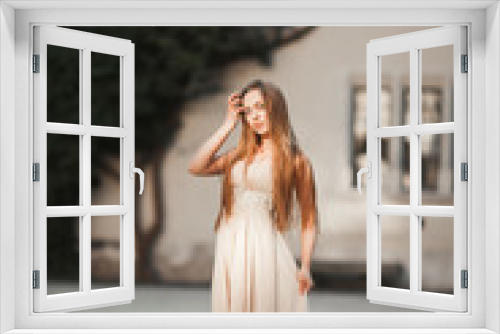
151, 298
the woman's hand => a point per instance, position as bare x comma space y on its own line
234, 107
305, 280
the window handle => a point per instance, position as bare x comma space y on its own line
133, 170
367, 170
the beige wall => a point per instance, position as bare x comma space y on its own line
315, 75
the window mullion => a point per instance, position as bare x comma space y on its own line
85, 237
414, 168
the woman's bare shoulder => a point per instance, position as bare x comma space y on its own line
231, 158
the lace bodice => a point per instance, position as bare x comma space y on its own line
254, 192
254, 195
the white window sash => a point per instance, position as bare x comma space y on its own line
85, 297
414, 297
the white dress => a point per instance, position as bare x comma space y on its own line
254, 269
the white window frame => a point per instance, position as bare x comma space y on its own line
413, 44
483, 21
85, 43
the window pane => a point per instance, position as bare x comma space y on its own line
395, 73
105, 94
437, 169
395, 251
433, 103
63, 85
105, 231
358, 119
437, 254
105, 171
63, 169
437, 84
395, 170
63, 255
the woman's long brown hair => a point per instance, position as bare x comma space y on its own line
284, 151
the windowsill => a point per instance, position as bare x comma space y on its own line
253, 331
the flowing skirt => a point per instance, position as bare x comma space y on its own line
254, 269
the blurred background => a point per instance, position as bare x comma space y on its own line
183, 76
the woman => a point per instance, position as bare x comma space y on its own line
254, 270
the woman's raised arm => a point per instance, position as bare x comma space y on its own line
206, 161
